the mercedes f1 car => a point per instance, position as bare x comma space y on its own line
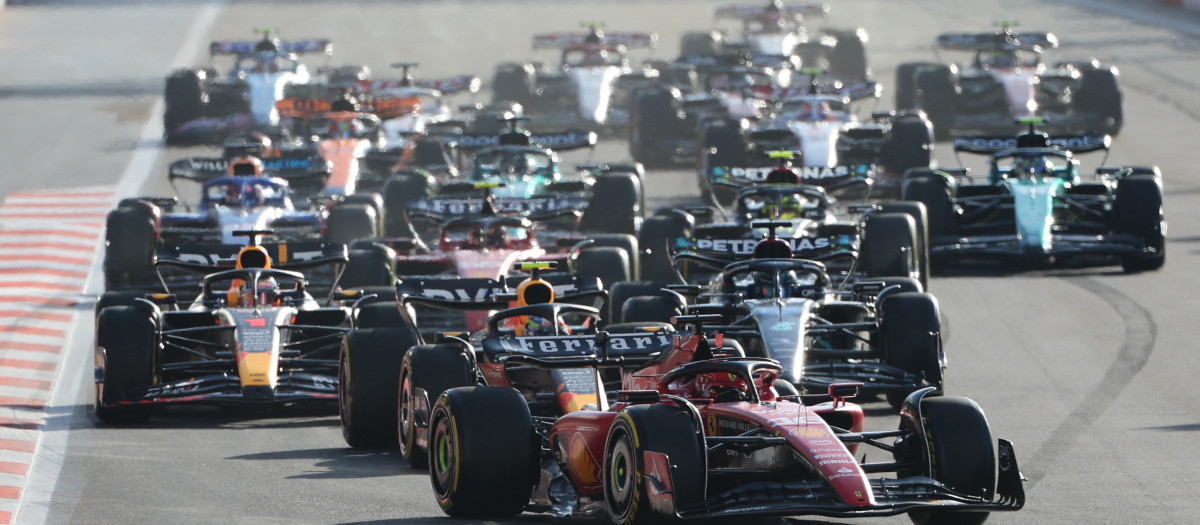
1008, 79
524, 173
592, 87
253, 335
203, 106
692, 435
1036, 208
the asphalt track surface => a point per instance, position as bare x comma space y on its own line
1090, 372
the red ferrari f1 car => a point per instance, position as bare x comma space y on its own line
697, 436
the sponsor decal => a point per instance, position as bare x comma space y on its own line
746, 246
583, 465
835, 462
584, 345
806, 172
710, 424
809, 432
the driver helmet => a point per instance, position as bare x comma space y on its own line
1033, 166
233, 196
1004, 58
535, 325
245, 166
266, 293
722, 387
789, 207
252, 195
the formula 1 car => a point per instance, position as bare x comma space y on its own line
374, 359
776, 32
694, 436
526, 168
781, 300
1035, 208
1001, 84
253, 336
591, 88
835, 148
141, 225
203, 106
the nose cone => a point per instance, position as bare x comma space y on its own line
258, 392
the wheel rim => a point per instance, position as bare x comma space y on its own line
407, 433
620, 482
444, 464
344, 393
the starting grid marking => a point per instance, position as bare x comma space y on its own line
47, 245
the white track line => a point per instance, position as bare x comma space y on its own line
34, 507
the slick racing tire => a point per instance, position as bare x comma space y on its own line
514, 83
848, 61
1100, 96
369, 385
129, 248
649, 309
889, 245
398, 192
639, 436
655, 238
436, 369
369, 267
910, 144
349, 222
126, 337
906, 84
963, 456
624, 241
375, 202
483, 452
1139, 213
655, 121
383, 314
911, 326
184, 98
933, 191
614, 205
609, 263
618, 293
938, 96
724, 145
917, 211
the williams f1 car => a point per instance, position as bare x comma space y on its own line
1008, 79
204, 106
592, 87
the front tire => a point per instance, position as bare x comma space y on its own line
911, 326
126, 339
369, 386
436, 369
963, 456
643, 429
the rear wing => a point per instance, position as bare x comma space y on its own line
466, 294
201, 169
565, 40
203, 259
823, 176
751, 11
572, 351
1030, 41
473, 204
742, 248
987, 145
299, 47
446, 86
858, 91
558, 141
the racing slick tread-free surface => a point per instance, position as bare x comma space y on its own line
911, 325
436, 369
126, 335
963, 455
1140, 213
889, 245
651, 428
483, 452
369, 385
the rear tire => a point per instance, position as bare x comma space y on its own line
369, 385
614, 206
350, 222
910, 323
130, 241
656, 236
369, 267
398, 192
436, 369
649, 309
917, 211
1100, 95
889, 245
610, 264
937, 94
484, 453
184, 98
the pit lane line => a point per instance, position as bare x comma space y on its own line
52, 440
